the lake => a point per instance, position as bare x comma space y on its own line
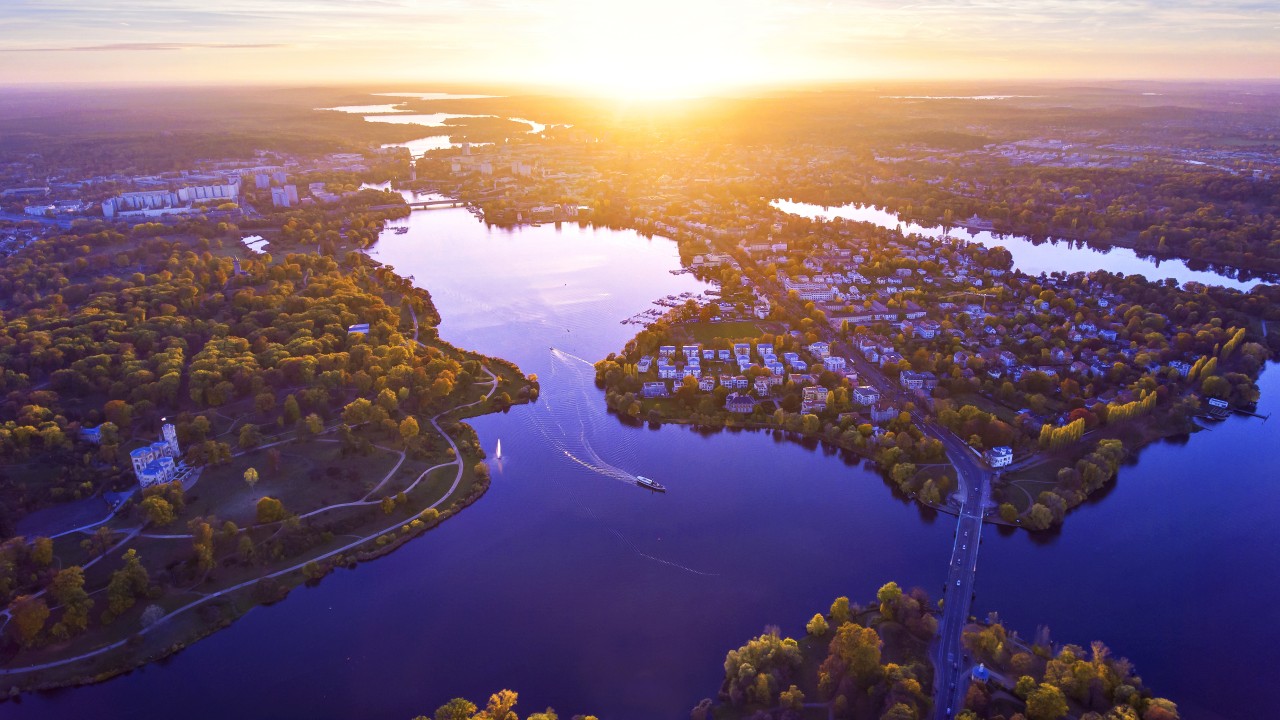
1029, 256
579, 590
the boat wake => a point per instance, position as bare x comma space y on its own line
568, 424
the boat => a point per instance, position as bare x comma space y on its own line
401, 230
650, 483
498, 454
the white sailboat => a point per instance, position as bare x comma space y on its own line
498, 454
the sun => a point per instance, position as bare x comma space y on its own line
659, 49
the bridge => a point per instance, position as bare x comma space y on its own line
428, 204
951, 667
973, 477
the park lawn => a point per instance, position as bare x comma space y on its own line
437, 483
705, 333
1026, 485
408, 472
312, 474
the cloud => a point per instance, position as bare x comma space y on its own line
147, 46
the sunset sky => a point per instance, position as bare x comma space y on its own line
644, 46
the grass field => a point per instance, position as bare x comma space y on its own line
312, 474
1026, 485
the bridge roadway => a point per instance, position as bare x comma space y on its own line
973, 493
950, 678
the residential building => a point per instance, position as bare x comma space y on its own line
654, 390
742, 404
866, 395
999, 456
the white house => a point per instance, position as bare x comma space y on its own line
999, 456
866, 395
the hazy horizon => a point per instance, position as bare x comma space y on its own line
656, 48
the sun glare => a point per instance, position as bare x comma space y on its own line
657, 50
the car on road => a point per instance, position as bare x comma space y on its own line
957, 583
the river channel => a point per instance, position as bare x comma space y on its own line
580, 590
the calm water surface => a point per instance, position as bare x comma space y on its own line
582, 591
1031, 257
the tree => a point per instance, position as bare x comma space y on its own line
792, 698
270, 510
859, 648
1160, 709
100, 541
889, 596
456, 709
501, 705
151, 615
245, 549
29, 615
202, 544
313, 424
264, 402
1026, 684
840, 613
67, 589
42, 551
157, 511
291, 411
899, 711
408, 429
817, 627
127, 583
1046, 702
357, 411
1039, 517
251, 477
250, 437
1008, 512
387, 505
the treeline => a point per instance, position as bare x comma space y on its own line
872, 663
501, 706
1048, 683
104, 329
1073, 485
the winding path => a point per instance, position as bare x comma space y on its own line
457, 479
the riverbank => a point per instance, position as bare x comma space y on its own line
315, 484
419, 507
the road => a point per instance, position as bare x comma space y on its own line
950, 677
972, 498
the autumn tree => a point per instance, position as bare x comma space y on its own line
157, 511
42, 551
817, 626
1046, 702
127, 584
456, 709
840, 613
28, 615
67, 589
408, 429
270, 510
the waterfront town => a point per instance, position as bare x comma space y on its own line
215, 394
